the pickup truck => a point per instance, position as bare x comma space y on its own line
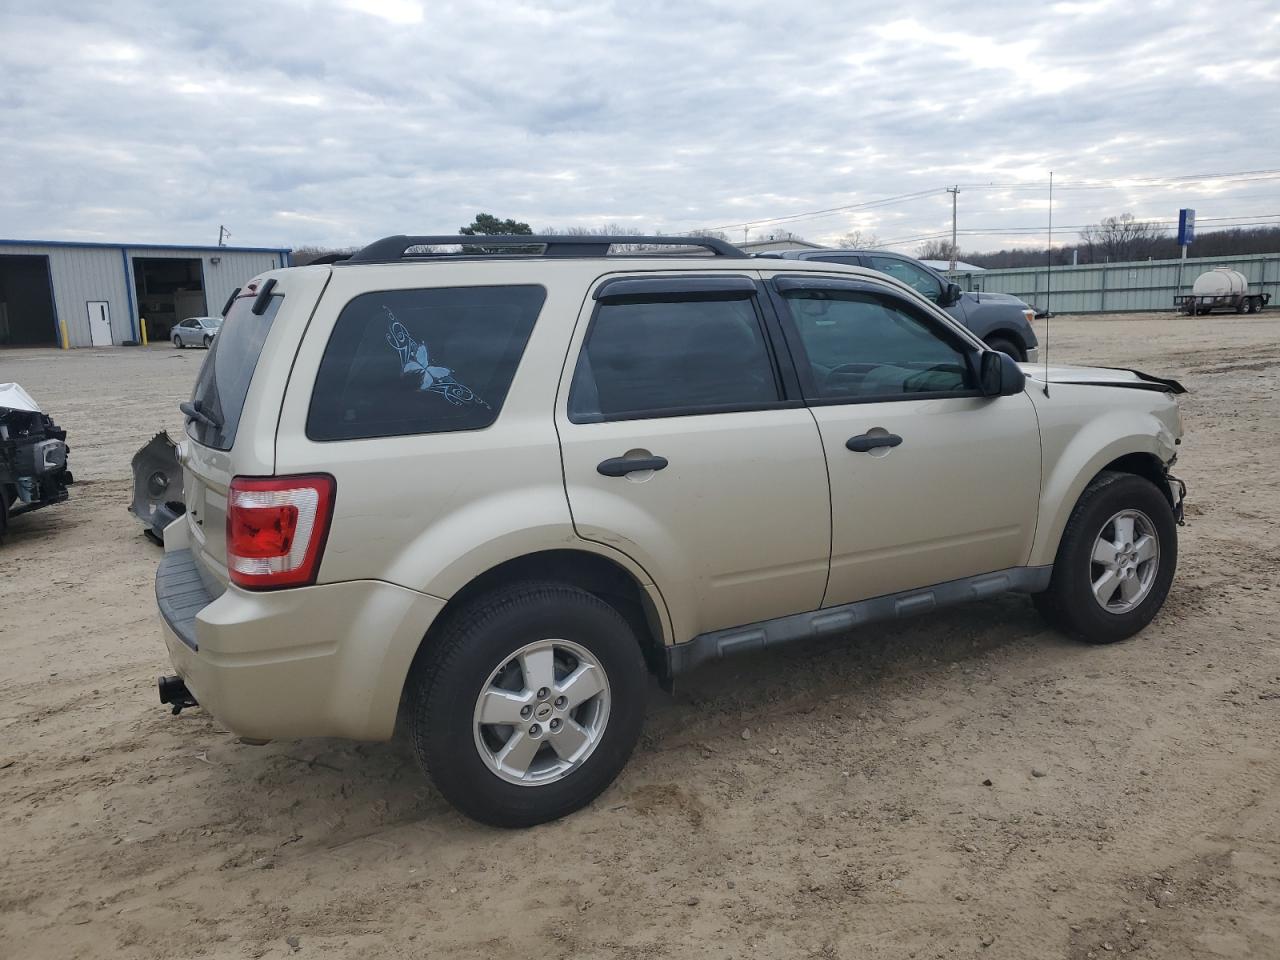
1000, 320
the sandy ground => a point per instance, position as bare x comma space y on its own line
883, 803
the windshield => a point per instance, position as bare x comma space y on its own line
224, 378
210, 322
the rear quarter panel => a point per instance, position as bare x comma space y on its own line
431, 512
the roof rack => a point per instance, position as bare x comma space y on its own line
393, 249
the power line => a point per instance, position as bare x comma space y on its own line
1077, 229
865, 205
1242, 176
1239, 176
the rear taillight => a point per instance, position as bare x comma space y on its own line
276, 529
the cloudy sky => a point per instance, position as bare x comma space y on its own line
336, 121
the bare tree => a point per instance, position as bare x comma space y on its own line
858, 240
936, 250
1121, 238
301, 256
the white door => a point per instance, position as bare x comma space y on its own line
99, 323
930, 481
681, 450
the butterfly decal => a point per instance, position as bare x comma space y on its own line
415, 361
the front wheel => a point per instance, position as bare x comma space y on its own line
1003, 345
208, 342
1115, 562
530, 703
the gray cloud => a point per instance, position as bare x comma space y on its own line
336, 122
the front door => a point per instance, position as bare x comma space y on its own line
930, 481
99, 322
683, 450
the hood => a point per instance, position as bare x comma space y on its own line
13, 397
1101, 377
979, 296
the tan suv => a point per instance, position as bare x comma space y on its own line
489, 491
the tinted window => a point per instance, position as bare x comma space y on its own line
859, 345
847, 259
654, 358
224, 377
916, 277
420, 361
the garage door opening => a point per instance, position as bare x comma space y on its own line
27, 317
170, 289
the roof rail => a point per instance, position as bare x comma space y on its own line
392, 249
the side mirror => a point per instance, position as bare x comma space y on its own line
950, 294
999, 374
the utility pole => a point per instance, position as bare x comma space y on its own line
955, 192
223, 235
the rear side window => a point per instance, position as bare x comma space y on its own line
224, 377
668, 358
402, 362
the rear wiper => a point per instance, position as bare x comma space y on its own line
193, 412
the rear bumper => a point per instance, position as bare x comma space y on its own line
322, 661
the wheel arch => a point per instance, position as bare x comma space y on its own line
1139, 455
637, 600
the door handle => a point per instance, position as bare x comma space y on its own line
866, 441
621, 466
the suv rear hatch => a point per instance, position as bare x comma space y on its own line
234, 410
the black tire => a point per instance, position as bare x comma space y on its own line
445, 685
1005, 345
1069, 604
208, 342
177, 342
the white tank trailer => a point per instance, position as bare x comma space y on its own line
1221, 289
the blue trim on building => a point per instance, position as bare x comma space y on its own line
214, 249
128, 292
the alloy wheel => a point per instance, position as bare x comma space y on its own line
542, 712
1124, 561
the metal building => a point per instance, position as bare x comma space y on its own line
99, 292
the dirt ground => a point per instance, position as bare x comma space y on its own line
967, 784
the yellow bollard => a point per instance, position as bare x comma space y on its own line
142, 325
66, 344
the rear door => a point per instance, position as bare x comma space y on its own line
930, 481
685, 447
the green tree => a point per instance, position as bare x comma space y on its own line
488, 224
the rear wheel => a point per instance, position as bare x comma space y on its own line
530, 703
1005, 345
1115, 562
177, 342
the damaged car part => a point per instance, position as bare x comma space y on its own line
33, 456
157, 485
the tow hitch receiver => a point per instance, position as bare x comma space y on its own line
173, 691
